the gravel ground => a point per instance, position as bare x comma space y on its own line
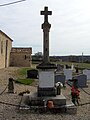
8, 112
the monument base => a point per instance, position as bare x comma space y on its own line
46, 92
33, 102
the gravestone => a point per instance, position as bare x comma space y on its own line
60, 78
68, 73
77, 69
32, 73
59, 67
72, 67
87, 72
67, 66
82, 80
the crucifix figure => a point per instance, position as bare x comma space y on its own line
46, 27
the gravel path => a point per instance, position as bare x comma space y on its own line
8, 112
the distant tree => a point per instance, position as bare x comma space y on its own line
38, 54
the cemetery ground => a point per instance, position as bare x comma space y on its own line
9, 102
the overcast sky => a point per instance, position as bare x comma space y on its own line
70, 25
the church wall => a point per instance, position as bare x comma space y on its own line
5, 48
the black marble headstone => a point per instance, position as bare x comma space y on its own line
32, 73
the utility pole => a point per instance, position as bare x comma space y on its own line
82, 57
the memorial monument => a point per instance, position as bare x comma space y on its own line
46, 85
48, 95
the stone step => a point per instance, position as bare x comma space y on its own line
60, 103
71, 109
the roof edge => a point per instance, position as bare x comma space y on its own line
6, 35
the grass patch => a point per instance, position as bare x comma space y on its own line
80, 65
24, 81
23, 71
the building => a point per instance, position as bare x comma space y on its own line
5, 49
20, 57
13, 56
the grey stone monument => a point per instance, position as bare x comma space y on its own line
46, 69
46, 28
46, 90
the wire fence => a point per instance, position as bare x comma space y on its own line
2, 5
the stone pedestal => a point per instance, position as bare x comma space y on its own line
46, 92
46, 85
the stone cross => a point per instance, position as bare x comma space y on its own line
46, 27
46, 13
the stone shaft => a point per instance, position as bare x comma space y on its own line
46, 27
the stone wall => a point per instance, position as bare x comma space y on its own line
21, 57
5, 48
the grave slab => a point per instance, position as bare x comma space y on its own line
82, 80
60, 78
87, 72
68, 73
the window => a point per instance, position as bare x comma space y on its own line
25, 57
1, 47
